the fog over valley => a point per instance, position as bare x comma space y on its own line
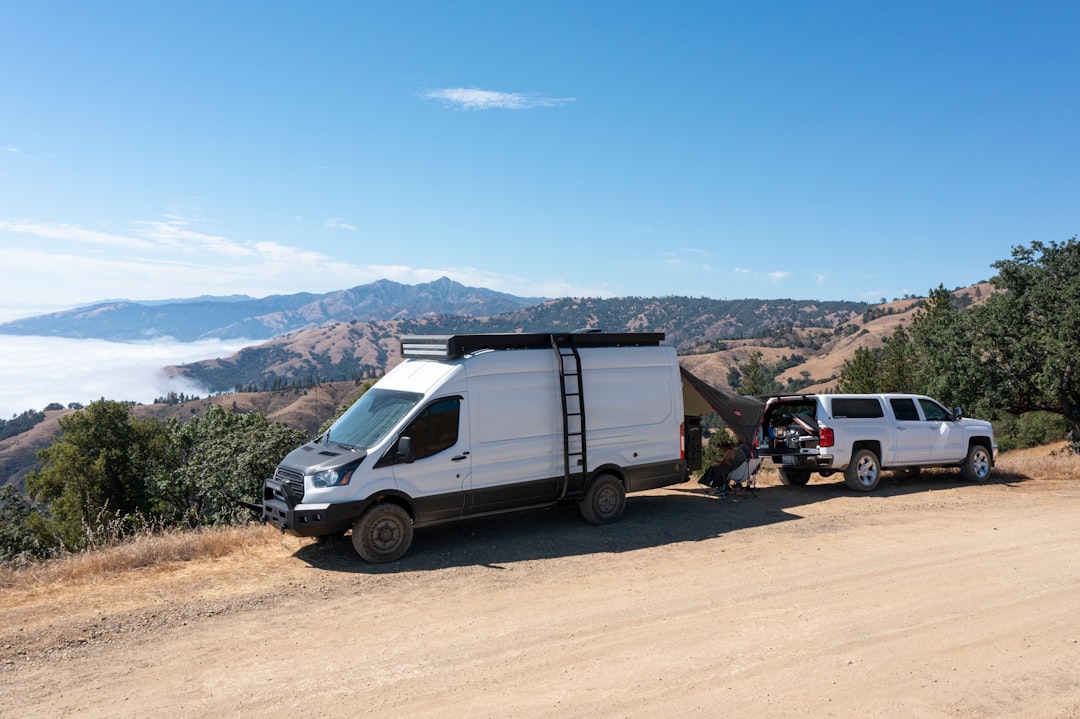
35, 371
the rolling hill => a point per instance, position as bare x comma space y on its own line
356, 349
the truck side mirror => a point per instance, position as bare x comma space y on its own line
958, 414
405, 450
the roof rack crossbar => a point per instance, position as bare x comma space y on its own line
459, 345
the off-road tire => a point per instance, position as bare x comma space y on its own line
604, 500
864, 471
383, 533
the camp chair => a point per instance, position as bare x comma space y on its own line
744, 476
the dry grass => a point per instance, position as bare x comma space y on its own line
158, 551
1049, 462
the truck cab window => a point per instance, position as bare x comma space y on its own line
934, 412
904, 409
436, 428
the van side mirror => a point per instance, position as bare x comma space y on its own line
405, 450
958, 414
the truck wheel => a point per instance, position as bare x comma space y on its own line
604, 501
976, 467
383, 533
864, 472
794, 476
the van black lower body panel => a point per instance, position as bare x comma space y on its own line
651, 476
312, 520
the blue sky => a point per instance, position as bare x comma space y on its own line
830, 150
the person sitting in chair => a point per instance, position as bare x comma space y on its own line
716, 476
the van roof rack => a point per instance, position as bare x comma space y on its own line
459, 345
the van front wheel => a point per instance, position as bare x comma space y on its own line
604, 501
383, 533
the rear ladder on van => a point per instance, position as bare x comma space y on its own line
571, 388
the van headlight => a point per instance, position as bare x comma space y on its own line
333, 477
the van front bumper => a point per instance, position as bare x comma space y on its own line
307, 520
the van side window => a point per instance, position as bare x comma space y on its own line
904, 409
934, 412
436, 428
857, 407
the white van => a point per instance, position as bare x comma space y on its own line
472, 425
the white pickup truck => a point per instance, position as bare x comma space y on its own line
861, 434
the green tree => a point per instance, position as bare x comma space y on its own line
898, 366
215, 462
893, 368
757, 377
24, 534
1028, 335
946, 363
94, 472
862, 373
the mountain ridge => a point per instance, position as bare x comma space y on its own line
355, 350
233, 317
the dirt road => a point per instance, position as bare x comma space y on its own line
928, 598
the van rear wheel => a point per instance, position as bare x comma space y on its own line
604, 501
383, 533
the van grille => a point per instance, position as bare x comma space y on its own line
294, 479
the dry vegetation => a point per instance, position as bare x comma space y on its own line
146, 551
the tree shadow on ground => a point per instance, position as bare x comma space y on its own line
682, 513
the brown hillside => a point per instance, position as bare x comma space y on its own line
18, 454
295, 352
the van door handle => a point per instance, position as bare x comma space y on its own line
460, 457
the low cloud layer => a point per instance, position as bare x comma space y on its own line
40, 370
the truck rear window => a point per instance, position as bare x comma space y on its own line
857, 408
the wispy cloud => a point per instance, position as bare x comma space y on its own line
335, 223
476, 99
73, 233
175, 233
774, 277
689, 259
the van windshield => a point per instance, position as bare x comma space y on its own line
369, 420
